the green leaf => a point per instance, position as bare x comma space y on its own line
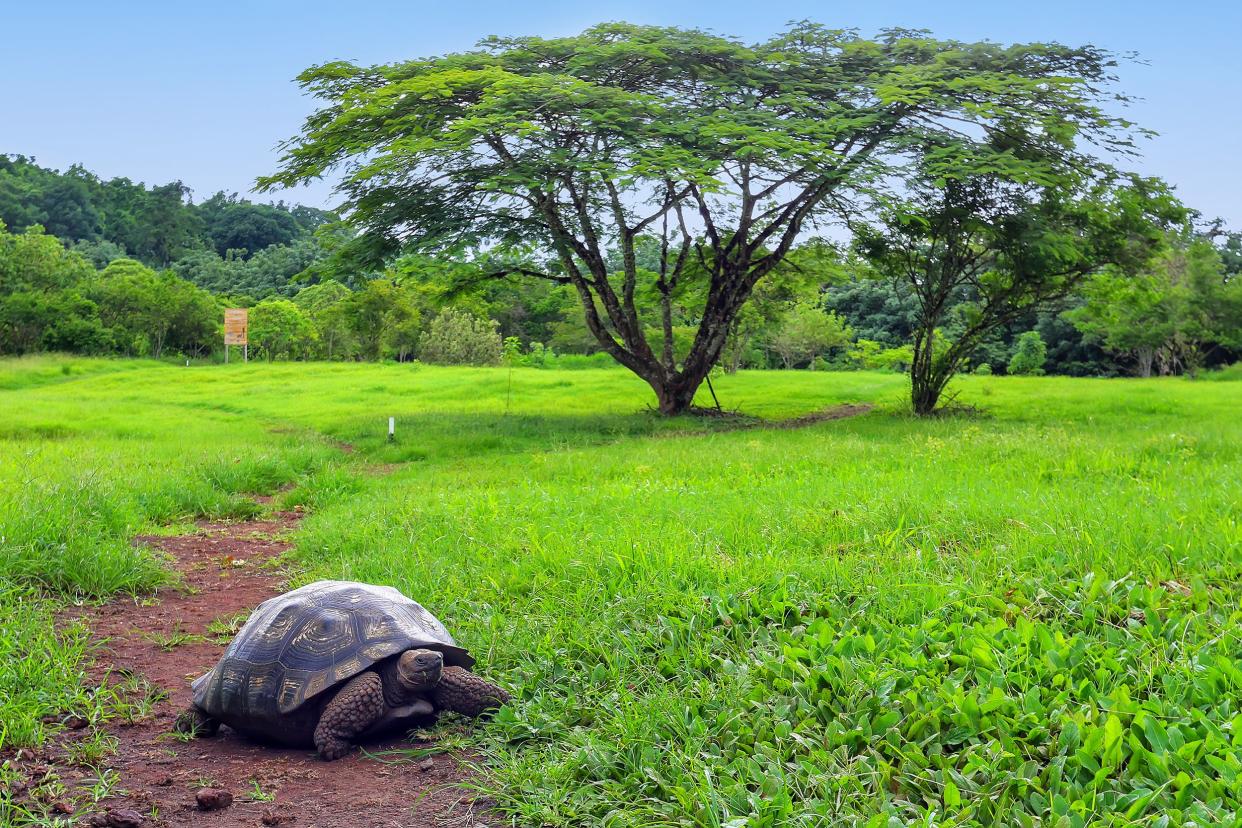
952, 796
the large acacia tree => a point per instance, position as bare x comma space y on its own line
726, 153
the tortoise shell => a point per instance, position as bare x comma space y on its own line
297, 645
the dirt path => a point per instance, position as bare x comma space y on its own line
746, 423
836, 412
228, 569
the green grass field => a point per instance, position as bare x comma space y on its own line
1029, 616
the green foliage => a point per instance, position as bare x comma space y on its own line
1030, 355
804, 332
51, 299
993, 234
111, 219
41, 301
881, 310
1228, 374
146, 311
61, 320
274, 270
325, 304
983, 369
32, 261
457, 337
278, 328
234, 223
99, 253
871, 355
538, 355
1167, 316
384, 319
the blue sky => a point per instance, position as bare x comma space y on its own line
203, 92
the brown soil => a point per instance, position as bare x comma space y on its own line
228, 569
744, 423
837, 412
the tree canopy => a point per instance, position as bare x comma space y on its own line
726, 152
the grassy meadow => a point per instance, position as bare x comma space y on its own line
1026, 616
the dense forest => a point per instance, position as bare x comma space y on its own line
117, 267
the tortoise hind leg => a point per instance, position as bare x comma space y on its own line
196, 723
463, 692
356, 706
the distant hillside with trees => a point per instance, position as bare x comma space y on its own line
118, 267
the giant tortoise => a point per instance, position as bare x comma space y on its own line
333, 662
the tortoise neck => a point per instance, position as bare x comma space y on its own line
396, 693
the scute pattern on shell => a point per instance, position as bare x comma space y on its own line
299, 644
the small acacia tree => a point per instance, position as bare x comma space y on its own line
992, 229
726, 152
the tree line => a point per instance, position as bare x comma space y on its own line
156, 225
825, 309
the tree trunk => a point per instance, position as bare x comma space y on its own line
735, 347
924, 395
675, 394
924, 390
1146, 356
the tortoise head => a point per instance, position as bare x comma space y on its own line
419, 669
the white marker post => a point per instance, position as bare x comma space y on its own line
392, 429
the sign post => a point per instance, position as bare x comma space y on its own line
237, 331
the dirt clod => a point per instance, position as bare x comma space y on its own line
427, 765
124, 818
119, 818
213, 799
273, 817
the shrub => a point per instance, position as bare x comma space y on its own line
871, 355
575, 362
511, 351
983, 369
458, 337
279, 329
1030, 356
1226, 374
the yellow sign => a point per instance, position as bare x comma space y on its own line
236, 326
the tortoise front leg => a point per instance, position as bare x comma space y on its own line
463, 692
357, 706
